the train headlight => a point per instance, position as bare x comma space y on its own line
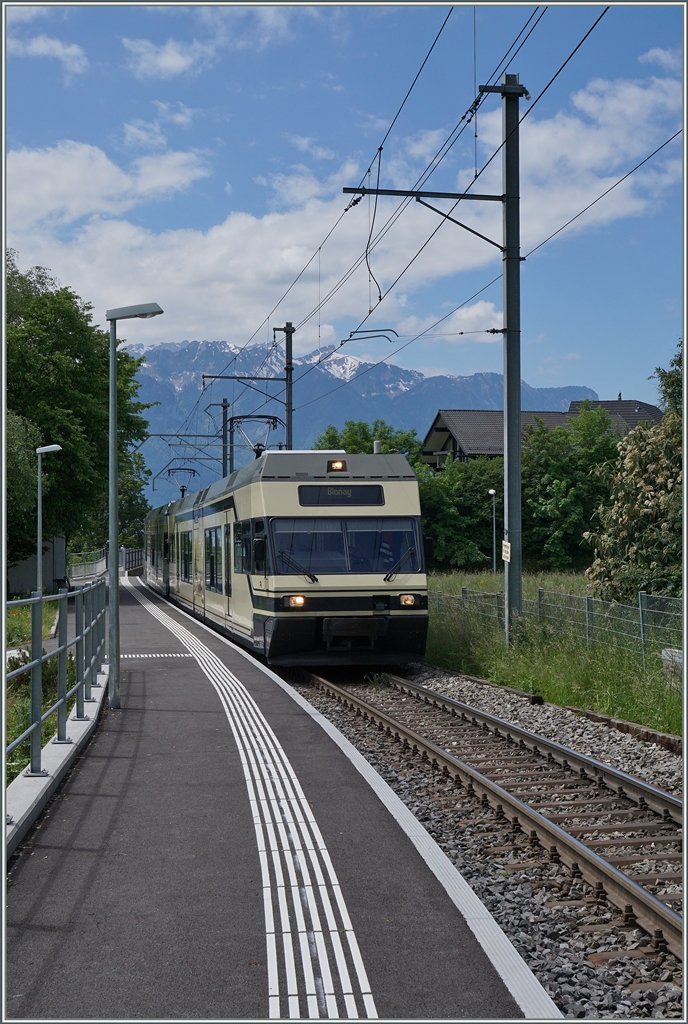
336, 466
409, 600
294, 601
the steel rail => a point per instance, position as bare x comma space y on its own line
623, 784
649, 911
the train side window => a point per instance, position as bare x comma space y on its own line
185, 555
238, 560
228, 560
213, 559
172, 547
246, 558
260, 548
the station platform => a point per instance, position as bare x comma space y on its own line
221, 852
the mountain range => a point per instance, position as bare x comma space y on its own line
329, 387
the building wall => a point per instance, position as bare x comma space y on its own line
21, 578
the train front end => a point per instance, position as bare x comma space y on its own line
338, 563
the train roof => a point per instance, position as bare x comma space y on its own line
296, 465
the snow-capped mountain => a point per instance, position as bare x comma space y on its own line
330, 386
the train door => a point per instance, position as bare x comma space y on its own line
242, 602
198, 563
227, 549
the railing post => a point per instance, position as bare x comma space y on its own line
541, 594
588, 620
36, 685
98, 630
79, 650
62, 618
642, 608
88, 641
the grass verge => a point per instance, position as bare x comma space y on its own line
490, 583
558, 666
18, 626
18, 709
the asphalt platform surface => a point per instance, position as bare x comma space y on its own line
140, 892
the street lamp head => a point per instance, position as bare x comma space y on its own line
492, 491
143, 311
49, 448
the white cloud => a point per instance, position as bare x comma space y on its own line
183, 115
668, 60
72, 57
16, 14
308, 145
71, 180
228, 188
144, 134
147, 60
246, 262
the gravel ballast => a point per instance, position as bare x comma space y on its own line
556, 942
646, 761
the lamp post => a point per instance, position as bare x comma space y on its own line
143, 311
39, 542
494, 530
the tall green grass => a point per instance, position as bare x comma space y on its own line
18, 709
558, 666
18, 623
490, 583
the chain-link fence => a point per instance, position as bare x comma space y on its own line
653, 626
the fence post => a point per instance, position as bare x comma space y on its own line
497, 608
541, 594
464, 595
642, 608
588, 619
79, 633
62, 614
88, 641
36, 684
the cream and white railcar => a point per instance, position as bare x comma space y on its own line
310, 558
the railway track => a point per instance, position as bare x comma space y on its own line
621, 835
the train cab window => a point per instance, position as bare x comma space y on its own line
213, 559
185, 555
228, 560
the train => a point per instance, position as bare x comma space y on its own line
312, 558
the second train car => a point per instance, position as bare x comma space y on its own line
308, 558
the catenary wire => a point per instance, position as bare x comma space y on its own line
334, 226
436, 160
439, 156
538, 246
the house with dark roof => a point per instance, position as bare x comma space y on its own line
631, 412
473, 433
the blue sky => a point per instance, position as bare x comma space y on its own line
195, 156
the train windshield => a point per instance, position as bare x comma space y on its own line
347, 545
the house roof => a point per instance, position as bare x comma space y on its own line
631, 412
479, 431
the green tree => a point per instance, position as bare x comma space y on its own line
670, 383
561, 490
22, 439
457, 510
357, 436
57, 374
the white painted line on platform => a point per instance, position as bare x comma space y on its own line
285, 826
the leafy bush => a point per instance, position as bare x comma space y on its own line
638, 542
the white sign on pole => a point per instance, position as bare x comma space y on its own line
506, 551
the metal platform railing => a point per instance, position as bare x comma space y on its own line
89, 647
